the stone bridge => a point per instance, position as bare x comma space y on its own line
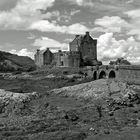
123, 72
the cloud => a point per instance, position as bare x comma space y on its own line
130, 1
31, 36
46, 26
68, 40
110, 49
49, 15
134, 16
45, 42
133, 13
27, 15
111, 24
22, 15
22, 52
74, 12
84, 3
66, 16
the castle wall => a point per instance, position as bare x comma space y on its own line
65, 60
89, 49
80, 47
57, 58
47, 57
39, 59
74, 59
75, 44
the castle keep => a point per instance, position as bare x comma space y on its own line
82, 48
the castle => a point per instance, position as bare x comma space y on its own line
82, 51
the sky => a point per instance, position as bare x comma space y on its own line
28, 25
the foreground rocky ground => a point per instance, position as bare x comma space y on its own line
66, 108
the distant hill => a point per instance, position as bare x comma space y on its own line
11, 62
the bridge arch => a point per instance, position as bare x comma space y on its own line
112, 74
95, 75
102, 75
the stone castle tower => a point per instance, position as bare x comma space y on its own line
83, 48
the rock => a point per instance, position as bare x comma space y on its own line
71, 116
14, 102
92, 129
111, 113
106, 131
95, 89
50, 76
138, 122
114, 87
2, 107
116, 108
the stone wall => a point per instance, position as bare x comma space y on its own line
124, 73
89, 49
74, 59
130, 74
48, 57
39, 59
65, 60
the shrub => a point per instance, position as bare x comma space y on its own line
65, 72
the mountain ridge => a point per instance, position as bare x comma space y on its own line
12, 62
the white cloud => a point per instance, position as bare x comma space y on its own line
110, 49
54, 45
68, 40
84, 3
50, 15
24, 13
111, 24
46, 26
134, 16
133, 13
130, 1
66, 16
73, 12
31, 36
22, 52
27, 16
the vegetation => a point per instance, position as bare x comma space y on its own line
61, 117
10, 62
87, 61
120, 61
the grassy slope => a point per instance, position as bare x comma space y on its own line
20, 61
56, 117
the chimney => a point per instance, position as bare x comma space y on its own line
87, 33
77, 36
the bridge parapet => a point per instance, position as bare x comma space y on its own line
130, 67
123, 72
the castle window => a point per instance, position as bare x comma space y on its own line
88, 49
62, 63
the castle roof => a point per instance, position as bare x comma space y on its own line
82, 38
43, 51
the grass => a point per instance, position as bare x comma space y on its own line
52, 117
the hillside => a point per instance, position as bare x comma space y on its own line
11, 62
59, 105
